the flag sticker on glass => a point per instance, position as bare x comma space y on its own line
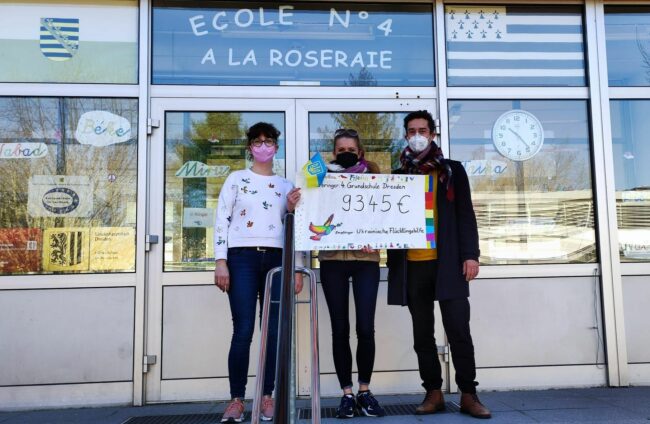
59, 38
315, 171
514, 46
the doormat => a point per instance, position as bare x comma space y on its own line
303, 414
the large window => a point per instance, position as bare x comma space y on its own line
515, 45
529, 166
68, 178
269, 43
630, 127
627, 33
201, 149
628, 63
69, 41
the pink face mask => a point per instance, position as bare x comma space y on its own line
263, 153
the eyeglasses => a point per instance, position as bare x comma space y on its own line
346, 132
269, 142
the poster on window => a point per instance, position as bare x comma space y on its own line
66, 249
112, 249
198, 217
60, 196
20, 250
350, 211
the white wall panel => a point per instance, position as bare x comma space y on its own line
393, 335
639, 374
395, 360
66, 336
197, 328
538, 378
636, 298
536, 322
65, 396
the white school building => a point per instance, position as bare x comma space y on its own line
120, 119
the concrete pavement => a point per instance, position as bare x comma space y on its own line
593, 405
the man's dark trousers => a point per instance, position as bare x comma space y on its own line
421, 278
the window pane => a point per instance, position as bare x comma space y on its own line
630, 127
267, 43
69, 41
201, 149
381, 133
528, 163
627, 34
515, 45
68, 178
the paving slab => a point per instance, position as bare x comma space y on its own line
551, 399
572, 406
601, 415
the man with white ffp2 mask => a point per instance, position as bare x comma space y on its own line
418, 142
418, 277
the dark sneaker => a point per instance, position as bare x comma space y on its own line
368, 405
347, 407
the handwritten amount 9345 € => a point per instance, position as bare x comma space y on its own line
361, 203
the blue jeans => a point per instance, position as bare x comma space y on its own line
248, 268
335, 278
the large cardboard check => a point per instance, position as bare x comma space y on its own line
349, 211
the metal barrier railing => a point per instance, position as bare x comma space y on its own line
285, 376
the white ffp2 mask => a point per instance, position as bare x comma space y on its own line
418, 143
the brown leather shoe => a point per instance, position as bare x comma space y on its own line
470, 404
433, 402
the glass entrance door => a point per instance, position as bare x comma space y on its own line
198, 143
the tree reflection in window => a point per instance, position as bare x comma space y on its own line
201, 149
109, 170
535, 211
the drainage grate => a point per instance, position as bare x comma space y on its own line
391, 410
303, 414
179, 419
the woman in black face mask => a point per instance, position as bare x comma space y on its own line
337, 267
348, 154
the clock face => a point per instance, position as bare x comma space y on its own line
518, 135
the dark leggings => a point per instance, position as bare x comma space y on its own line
335, 277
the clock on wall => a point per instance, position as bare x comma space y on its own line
518, 135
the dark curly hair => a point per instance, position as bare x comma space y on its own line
256, 130
420, 114
262, 128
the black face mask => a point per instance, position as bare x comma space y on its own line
347, 159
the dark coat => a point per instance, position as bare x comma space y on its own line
456, 239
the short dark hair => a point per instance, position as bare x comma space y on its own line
262, 128
420, 114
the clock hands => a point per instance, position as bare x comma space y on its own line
519, 137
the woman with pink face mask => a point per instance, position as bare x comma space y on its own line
248, 236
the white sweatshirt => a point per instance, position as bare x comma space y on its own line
250, 212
